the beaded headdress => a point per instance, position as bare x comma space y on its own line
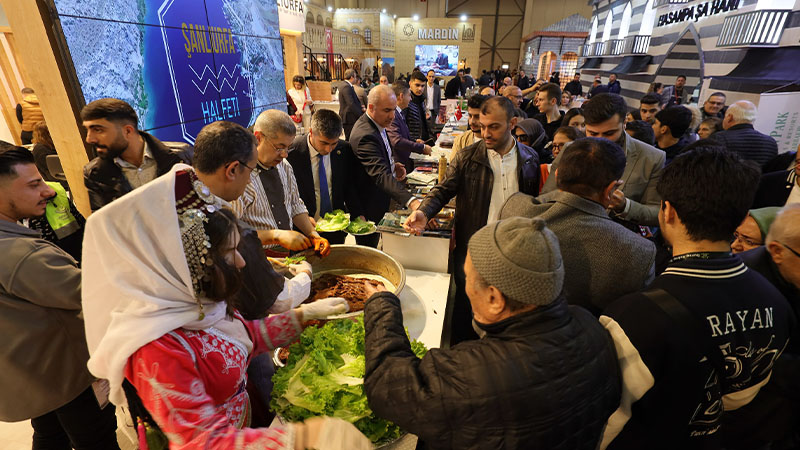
194, 202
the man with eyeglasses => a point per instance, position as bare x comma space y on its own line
714, 106
778, 260
271, 203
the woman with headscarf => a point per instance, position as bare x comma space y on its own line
160, 265
531, 133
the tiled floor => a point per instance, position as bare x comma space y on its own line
17, 436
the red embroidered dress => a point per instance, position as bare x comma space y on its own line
193, 384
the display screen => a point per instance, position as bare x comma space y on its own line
181, 64
443, 59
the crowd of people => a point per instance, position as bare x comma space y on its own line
618, 283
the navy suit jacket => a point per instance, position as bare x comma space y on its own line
375, 185
343, 195
349, 107
400, 139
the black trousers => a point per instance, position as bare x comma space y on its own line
79, 424
458, 320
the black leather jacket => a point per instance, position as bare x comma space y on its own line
470, 178
104, 179
543, 379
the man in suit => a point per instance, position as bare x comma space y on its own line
740, 137
377, 175
637, 200
594, 275
442, 60
350, 108
399, 137
322, 165
433, 98
481, 177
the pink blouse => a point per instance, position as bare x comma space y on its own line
193, 384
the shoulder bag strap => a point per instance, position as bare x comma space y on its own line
689, 323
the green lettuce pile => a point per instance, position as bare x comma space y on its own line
324, 376
337, 220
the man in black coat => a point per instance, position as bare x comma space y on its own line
481, 177
350, 108
574, 87
126, 157
322, 165
377, 176
740, 137
455, 87
538, 359
775, 188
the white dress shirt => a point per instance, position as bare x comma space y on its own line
429, 89
314, 155
386, 144
505, 182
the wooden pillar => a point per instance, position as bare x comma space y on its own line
293, 57
43, 74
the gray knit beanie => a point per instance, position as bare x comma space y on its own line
521, 258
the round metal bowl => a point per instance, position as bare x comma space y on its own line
355, 259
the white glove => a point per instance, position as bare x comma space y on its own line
300, 267
323, 308
329, 433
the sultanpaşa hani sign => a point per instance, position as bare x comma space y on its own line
697, 12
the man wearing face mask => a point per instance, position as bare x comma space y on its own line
126, 158
637, 200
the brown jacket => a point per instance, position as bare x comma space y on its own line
31, 112
44, 354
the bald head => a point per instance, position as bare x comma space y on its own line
740, 112
507, 81
487, 91
381, 104
783, 243
784, 229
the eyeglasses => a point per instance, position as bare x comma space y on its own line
256, 170
559, 147
789, 248
279, 150
521, 137
746, 240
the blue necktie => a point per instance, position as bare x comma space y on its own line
324, 196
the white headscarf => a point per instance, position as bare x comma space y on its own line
136, 284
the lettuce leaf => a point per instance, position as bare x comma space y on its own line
361, 226
337, 220
325, 376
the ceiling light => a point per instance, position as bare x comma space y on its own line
330, 8
383, 10
394, 16
415, 17
463, 17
